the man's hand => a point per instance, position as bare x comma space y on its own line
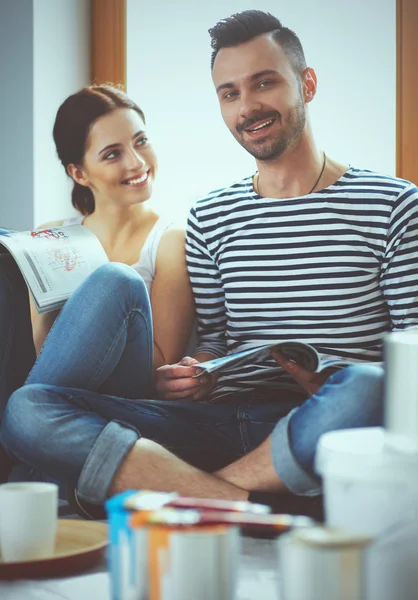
177, 382
311, 382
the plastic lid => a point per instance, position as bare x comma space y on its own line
406, 336
330, 538
362, 453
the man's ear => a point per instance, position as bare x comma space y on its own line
76, 172
309, 84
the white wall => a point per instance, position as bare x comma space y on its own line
16, 124
352, 46
44, 45
61, 61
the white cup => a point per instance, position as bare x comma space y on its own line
28, 520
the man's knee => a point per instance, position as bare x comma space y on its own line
352, 397
362, 389
368, 374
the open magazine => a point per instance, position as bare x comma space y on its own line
301, 353
53, 261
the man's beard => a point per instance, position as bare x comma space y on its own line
289, 133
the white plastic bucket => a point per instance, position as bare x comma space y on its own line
401, 386
371, 488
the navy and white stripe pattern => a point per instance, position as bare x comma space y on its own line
336, 268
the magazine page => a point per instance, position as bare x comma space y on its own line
302, 353
54, 261
331, 362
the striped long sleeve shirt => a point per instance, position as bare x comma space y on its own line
337, 268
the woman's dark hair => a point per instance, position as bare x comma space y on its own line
244, 26
74, 120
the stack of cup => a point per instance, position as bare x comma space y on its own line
370, 478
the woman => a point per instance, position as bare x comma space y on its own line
104, 338
101, 141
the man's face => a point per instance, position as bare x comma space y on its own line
260, 95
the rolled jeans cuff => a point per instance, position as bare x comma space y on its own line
286, 464
104, 459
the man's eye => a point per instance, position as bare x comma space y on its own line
265, 83
230, 95
142, 141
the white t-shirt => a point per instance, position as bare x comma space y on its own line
148, 257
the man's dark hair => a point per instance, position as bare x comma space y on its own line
244, 26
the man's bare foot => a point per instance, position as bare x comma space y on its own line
254, 471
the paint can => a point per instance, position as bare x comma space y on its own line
320, 563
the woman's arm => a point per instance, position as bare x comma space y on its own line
41, 324
171, 300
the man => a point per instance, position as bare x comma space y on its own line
307, 248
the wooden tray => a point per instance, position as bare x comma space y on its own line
80, 545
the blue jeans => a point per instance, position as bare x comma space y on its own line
81, 437
76, 420
101, 341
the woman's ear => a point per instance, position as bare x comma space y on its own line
76, 172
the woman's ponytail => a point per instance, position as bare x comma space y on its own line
82, 199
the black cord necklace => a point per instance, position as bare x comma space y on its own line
256, 182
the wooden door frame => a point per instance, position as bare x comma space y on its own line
108, 41
407, 89
108, 64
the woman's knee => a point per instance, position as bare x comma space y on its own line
117, 279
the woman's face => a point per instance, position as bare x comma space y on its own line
119, 164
